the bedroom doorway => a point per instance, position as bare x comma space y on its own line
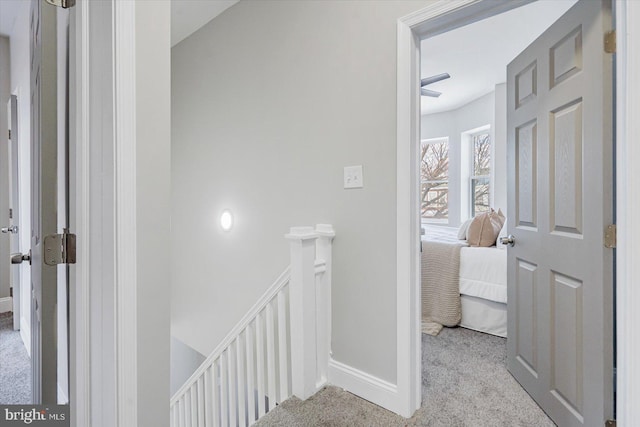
460, 176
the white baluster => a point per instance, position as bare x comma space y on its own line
233, 385
215, 393
181, 412
271, 357
224, 389
283, 339
194, 405
242, 382
302, 296
260, 365
201, 402
251, 388
208, 397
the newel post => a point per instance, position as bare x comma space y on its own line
323, 301
302, 302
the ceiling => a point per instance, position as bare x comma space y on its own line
476, 55
187, 16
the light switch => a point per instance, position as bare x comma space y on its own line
353, 177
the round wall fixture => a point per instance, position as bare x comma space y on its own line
226, 220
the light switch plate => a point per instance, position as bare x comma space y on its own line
353, 177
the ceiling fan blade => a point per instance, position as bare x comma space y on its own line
432, 93
433, 79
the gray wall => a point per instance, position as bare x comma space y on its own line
184, 362
5, 92
153, 128
270, 101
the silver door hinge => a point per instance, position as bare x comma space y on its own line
610, 42
65, 4
60, 248
610, 236
610, 423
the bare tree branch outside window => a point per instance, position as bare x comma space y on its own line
480, 180
434, 179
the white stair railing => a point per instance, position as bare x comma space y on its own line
278, 349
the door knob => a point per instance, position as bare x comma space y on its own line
509, 240
13, 229
18, 258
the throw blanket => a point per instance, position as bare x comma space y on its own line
440, 286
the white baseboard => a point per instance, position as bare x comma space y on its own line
62, 396
364, 385
6, 304
25, 334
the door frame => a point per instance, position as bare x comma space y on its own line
102, 301
445, 15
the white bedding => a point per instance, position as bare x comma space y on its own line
483, 273
483, 282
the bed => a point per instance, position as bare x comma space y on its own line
482, 281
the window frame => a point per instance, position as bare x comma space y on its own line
431, 141
474, 179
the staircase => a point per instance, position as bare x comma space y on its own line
280, 348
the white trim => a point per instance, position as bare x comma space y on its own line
376, 390
63, 399
125, 215
436, 9
6, 304
25, 334
628, 210
79, 295
408, 363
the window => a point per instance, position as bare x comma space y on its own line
434, 179
480, 184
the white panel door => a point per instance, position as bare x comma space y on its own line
560, 274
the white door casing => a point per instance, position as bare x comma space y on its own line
560, 195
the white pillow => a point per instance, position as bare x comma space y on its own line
462, 232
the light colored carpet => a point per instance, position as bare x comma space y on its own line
465, 383
15, 366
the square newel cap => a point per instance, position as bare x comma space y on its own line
325, 230
301, 233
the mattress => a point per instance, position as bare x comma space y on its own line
483, 273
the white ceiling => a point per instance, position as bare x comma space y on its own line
476, 56
187, 16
